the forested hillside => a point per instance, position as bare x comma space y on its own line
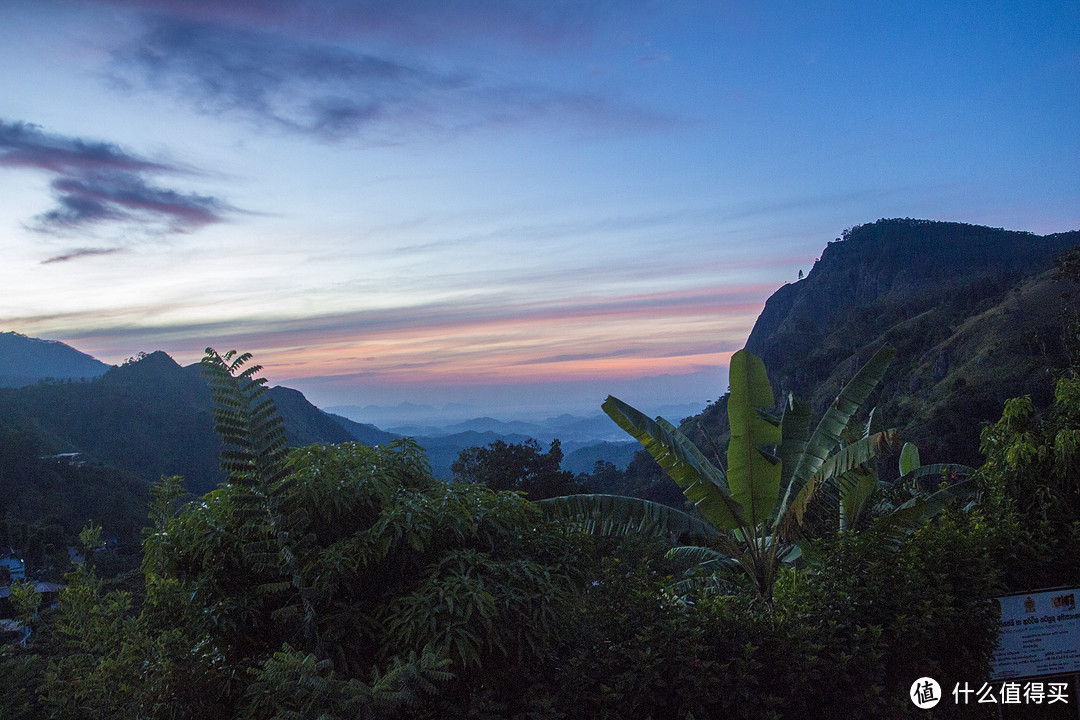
46, 500
975, 314
150, 417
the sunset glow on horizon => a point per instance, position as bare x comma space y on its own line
516, 203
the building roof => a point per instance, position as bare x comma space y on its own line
41, 587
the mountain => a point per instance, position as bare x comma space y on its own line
479, 425
150, 417
568, 428
429, 421
974, 313
363, 432
304, 423
405, 414
583, 459
26, 360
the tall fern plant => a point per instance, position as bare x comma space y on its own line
247, 421
254, 453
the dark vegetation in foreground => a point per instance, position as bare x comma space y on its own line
345, 581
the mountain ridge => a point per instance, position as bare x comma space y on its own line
26, 360
149, 416
933, 290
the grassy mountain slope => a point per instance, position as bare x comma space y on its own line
974, 313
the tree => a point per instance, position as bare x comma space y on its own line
517, 466
1037, 458
394, 562
775, 465
1033, 464
603, 478
331, 565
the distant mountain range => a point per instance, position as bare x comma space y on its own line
152, 417
427, 420
26, 360
584, 440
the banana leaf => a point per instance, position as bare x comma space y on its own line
909, 459
704, 558
937, 473
858, 486
826, 436
618, 515
702, 482
907, 518
753, 471
828, 475
795, 430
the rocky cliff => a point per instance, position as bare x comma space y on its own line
974, 312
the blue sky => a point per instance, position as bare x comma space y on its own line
521, 205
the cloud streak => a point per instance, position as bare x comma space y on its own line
469, 341
80, 253
97, 182
554, 24
305, 85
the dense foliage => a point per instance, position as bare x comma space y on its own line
407, 582
346, 582
1033, 467
844, 641
45, 501
517, 466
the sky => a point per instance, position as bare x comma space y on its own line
518, 205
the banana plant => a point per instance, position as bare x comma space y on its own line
775, 465
950, 483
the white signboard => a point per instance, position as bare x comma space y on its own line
1040, 635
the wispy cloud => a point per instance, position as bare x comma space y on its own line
96, 182
553, 24
125, 196
81, 253
489, 339
290, 81
25, 145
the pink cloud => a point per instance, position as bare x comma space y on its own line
98, 182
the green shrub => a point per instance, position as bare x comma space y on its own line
845, 639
